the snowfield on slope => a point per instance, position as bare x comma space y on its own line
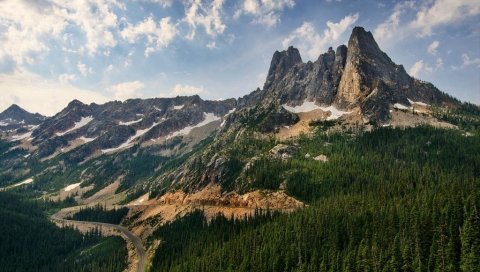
129, 142
207, 118
83, 122
71, 187
308, 106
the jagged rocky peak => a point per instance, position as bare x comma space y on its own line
281, 63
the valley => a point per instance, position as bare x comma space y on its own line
346, 163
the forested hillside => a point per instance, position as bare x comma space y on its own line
386, 200
30, 242
99, 213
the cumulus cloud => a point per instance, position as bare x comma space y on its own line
186, 90
443, 12
163, 3
432, 48
158, 35
83, 69
265, 12
309, 41
37, 94
419, 67
416, 68
430, 15
206, 15
31, 25
67, 78
125, 90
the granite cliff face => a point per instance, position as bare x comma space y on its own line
360, 75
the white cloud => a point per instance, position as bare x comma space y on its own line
67, 78
443, 12
83, 69
307, 39
432, 48
125, 90
186, 90
265, 12
36, 94
416, 68
158, 35
467, 61
163, 3
211, 45
389, 29
439, 63
29, 26
109, 68
420, 67
209, 16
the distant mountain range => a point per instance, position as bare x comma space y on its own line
355, 85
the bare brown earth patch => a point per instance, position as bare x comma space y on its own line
407, 118
149, 214
301, 126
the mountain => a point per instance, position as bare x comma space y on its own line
15, 118
115, 126
340, 142
354, 86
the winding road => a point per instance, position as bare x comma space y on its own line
126, 234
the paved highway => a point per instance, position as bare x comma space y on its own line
128, 234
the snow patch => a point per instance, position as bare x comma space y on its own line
400, 106
308, 106
27, 181
71, 187
305, 107
83, 122
231, 111
334, 112
207, 118
21, 136
179, 107
129, 122
155, 107
129, 142
3, 124
418, 103
86, 140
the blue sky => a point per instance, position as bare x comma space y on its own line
53, 51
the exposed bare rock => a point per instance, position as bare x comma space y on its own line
282, 151
321, 158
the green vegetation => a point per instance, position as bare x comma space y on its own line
386, 200
30, 242
466, 117
99, 213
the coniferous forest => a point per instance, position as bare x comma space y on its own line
30, 242
99, 213
386, 200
